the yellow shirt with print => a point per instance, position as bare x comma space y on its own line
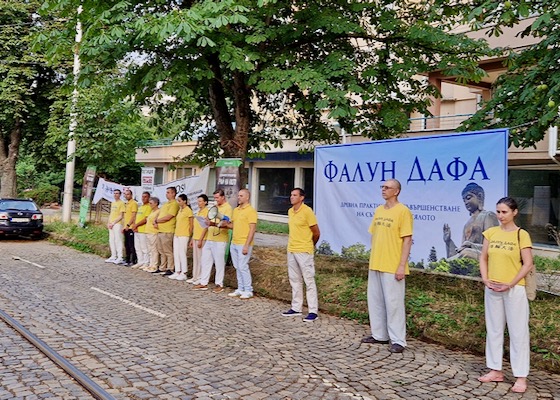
388, 228
184, 222
216, 234
143, 211
300, 239
117, 207
150, 228
242, 218
197, 228
504, 253
130, 207
169, 208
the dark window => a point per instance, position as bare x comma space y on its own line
275, 185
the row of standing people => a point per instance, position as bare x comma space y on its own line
505, 261
156, 240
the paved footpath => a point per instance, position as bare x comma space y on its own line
141, 336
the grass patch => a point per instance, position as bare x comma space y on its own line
272, 227
441, 309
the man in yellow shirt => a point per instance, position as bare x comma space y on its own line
244, 225
131, 209
139, 228
214, 250
391, 240
114, 225
165, 223
304, 235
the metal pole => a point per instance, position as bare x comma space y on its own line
70, 159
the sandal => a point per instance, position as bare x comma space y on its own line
491, 376
519, 387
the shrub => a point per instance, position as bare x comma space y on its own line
43, 195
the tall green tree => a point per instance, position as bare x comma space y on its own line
26, 84
527, 96
248, 73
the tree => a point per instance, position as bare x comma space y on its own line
527, 96
25, 86
249, 73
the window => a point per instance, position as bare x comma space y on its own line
308, 174
275, 185
538, 196
182, 172
158, 176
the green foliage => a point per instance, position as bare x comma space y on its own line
459, 266
358, 251
247, 73
272, 227
325, 249
43, 195
527, 96
546, 264
433, 255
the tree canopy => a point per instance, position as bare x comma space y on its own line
527, 96
244, 74
26, 85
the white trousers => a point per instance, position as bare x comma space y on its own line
141, 246
387, 317
301, 268
116, 241
213, 253
180, 244
511, 308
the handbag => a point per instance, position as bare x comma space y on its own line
530, 278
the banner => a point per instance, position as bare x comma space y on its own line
87, 188
449, 182
147, 179
228, 179
192, 186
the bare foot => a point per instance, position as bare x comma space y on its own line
492, 376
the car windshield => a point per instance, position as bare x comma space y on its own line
21, 205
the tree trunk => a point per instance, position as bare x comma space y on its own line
233, 142
9, 151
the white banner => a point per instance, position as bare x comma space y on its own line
147, 179
192, 186
434, 172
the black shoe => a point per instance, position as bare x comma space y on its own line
157, 271
396, 348
168, 272
372, 340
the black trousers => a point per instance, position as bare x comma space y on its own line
129, 247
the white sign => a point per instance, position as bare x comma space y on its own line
147, 179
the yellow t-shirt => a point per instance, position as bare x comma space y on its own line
197, 228
216, 234
184, 222
504, 253
117, 207
300, 239
242, 218
169, 208
143, 211
150, 228
130, 207
388, 228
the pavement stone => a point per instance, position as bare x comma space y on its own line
208, 346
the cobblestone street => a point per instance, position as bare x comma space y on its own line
141, 336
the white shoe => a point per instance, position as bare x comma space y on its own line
110, 259
181, 277
246, 295
135, 266
118, 261
173, 276
190, 280
237, 293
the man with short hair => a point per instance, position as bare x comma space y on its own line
391, 241
214, 250
303, 236
139, 228
244, 225
131, 209
116, 217
165, 223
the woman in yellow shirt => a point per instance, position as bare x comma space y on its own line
505, 261
183, 233
200, 230
151, 233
